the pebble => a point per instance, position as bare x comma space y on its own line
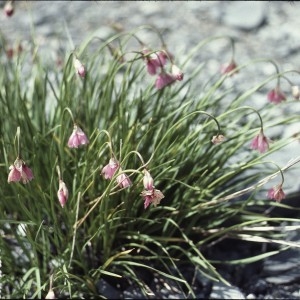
222, 291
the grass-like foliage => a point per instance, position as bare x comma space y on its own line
187, 155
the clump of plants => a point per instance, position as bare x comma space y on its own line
120, 160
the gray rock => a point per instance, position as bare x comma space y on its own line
106, 290
245, 15
283, 268
287, 278
222, 291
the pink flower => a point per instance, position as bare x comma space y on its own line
260, 142
79, 67
123, 180
9, 8
151, 68
276, 193
276, 95
230, 68
155, 61
177, 73
218, 139
77, 138
154, 196
19, 171
109, 170
148, 181
164, 79
9, 53
62, 193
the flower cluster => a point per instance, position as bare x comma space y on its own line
156, 63
109, 171
150, 194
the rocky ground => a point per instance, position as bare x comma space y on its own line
268, 29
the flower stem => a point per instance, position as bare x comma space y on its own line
70, 112
178, 122
18, 141
247, 107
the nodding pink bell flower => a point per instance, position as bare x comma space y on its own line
164, 79
123, 180
151, 67
155, 61
230, 68
79, 67
260, 142
154, 196
276, 193
177, 73
19, 171
62, 193
218, 139
77, 138
110, 169
148, 181
276, 95
9, 8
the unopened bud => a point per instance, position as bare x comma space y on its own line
50, 295
9, 8
79, 67
296, 92
217, 139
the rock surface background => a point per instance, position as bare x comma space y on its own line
268, 29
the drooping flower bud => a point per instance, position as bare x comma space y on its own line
148, 181
177, 73
79, 67
230, 68
9, 8
62, 193
50, 294
296, 92
218, 139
